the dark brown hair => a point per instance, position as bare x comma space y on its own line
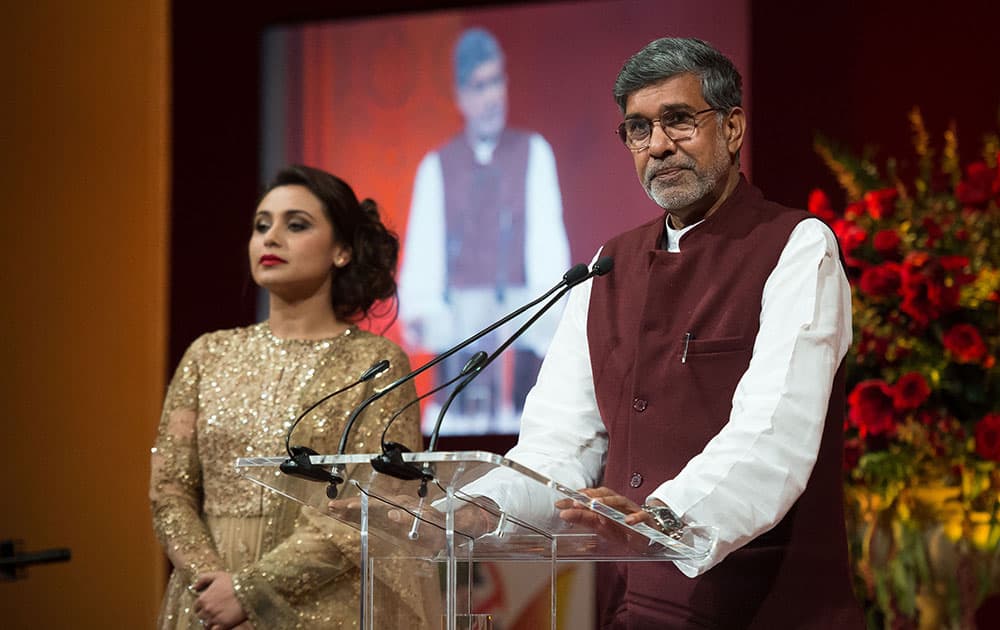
370, 276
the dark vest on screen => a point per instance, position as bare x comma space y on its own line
484, 212
660, 412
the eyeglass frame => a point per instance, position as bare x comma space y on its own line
620, 129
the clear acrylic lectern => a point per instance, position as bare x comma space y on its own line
436, 528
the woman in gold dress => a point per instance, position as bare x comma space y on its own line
244, 557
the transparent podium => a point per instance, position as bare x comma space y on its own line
423, 536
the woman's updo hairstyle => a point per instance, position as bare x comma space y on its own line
370, 275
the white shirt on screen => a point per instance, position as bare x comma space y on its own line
431, 323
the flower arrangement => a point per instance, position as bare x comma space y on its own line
922, 460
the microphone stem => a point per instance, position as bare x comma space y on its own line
342, 448
288, 434
432, 443
482, 363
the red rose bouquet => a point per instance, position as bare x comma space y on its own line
922, 459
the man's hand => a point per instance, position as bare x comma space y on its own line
573, 512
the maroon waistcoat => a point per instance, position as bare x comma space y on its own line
661, 411
484, 212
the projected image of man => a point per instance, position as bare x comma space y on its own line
485, 234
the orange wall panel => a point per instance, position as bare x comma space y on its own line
84, 149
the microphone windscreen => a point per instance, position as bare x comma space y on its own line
603, 265
576, 274
475, 362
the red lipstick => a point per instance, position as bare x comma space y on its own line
270, 260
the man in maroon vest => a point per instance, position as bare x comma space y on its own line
702, 381
485, 235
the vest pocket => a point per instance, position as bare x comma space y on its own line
710, 373
717, 345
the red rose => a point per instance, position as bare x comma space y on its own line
915, 303
850, 237
910, 391
886, 243
954, 262
988, 437
965, 343
819, 204
929, 286
881, 280
943, 296
934, 231
871, 409
976, 188
881, 204
854, 210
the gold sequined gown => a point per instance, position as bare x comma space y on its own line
234, 395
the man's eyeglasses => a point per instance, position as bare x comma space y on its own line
637, 133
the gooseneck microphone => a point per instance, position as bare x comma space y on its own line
602, 266
336, 476
298, 463
390, 462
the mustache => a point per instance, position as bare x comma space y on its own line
655, 167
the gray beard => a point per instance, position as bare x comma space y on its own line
672, 198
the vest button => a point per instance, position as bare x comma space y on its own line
636, 480
639, 404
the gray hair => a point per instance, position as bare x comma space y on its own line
721, 84
475, 47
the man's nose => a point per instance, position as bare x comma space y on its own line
659, 142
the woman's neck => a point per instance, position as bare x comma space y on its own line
312, 318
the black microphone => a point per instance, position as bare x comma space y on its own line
298, 463
390, 462
602, 266
337, 475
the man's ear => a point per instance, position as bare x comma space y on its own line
735, 129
